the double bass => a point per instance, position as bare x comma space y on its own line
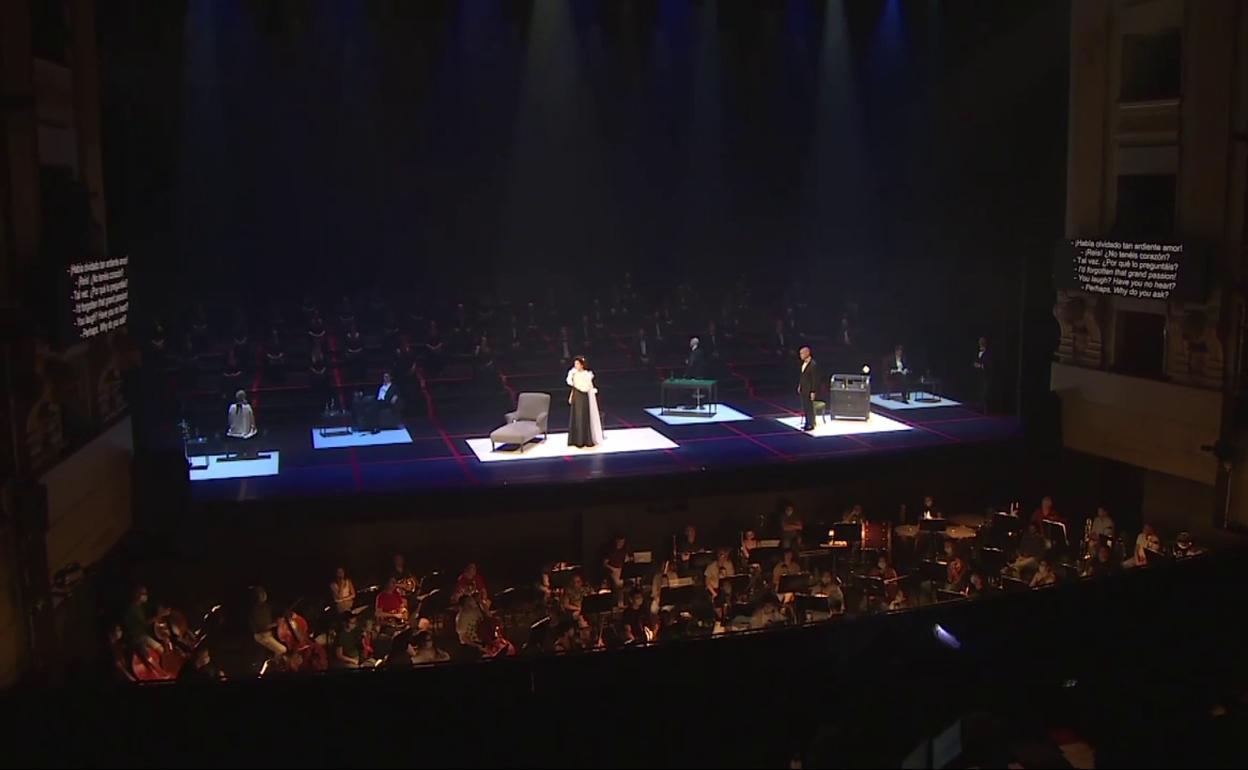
295, 634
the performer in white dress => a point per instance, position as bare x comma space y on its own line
584, 422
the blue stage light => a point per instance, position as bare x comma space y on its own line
946, 638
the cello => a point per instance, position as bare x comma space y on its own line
294, 633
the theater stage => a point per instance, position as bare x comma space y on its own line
438, 456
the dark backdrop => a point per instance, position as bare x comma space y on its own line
909, 153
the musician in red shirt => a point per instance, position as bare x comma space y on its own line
1046, 512
391, 606
471, 583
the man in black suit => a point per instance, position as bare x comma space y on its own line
983, 374
899, 373
808, 387
695, 364
368, 410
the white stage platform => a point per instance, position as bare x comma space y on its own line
235, 469
383, 438
887, 403
724, 413
876, 423
556, 445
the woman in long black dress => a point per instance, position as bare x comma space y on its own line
584, 423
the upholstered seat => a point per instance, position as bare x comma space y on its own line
526, 423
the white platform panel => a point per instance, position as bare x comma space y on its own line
382, 438
876, 423
885, 402
724, 413
556, 445
235, 469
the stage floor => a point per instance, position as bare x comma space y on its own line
437, 456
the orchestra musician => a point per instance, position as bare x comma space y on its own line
1045, 576
469, 582
791, 527
348, 645
956, 570
722, 567
422, 650
342, 591
294, 633
617, 556
885, 571
1046, 512
788, 565
749, 541
391, 606
480, 631
404, 581
635, 619
1146, 541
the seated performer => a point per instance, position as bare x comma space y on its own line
390, 606
242, 419
899, 373
368, 410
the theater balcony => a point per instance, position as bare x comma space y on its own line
1151, 424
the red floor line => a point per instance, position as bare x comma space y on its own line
675, 457
749, 384
433, 420
774, 405
502, 376
753, 440
920, 426
331, 342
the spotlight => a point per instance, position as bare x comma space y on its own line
946, 638
866, 369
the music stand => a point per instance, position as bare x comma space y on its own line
764, 554
699, 560
680, 596
991, 559
849, 531
740, 584
872, 585
598, 604
1013, 584
934, 570
790, 584
933, 525
1055, 531
636, 571
539, 634
805, 604
1008, 522
562, 578
1156, 557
